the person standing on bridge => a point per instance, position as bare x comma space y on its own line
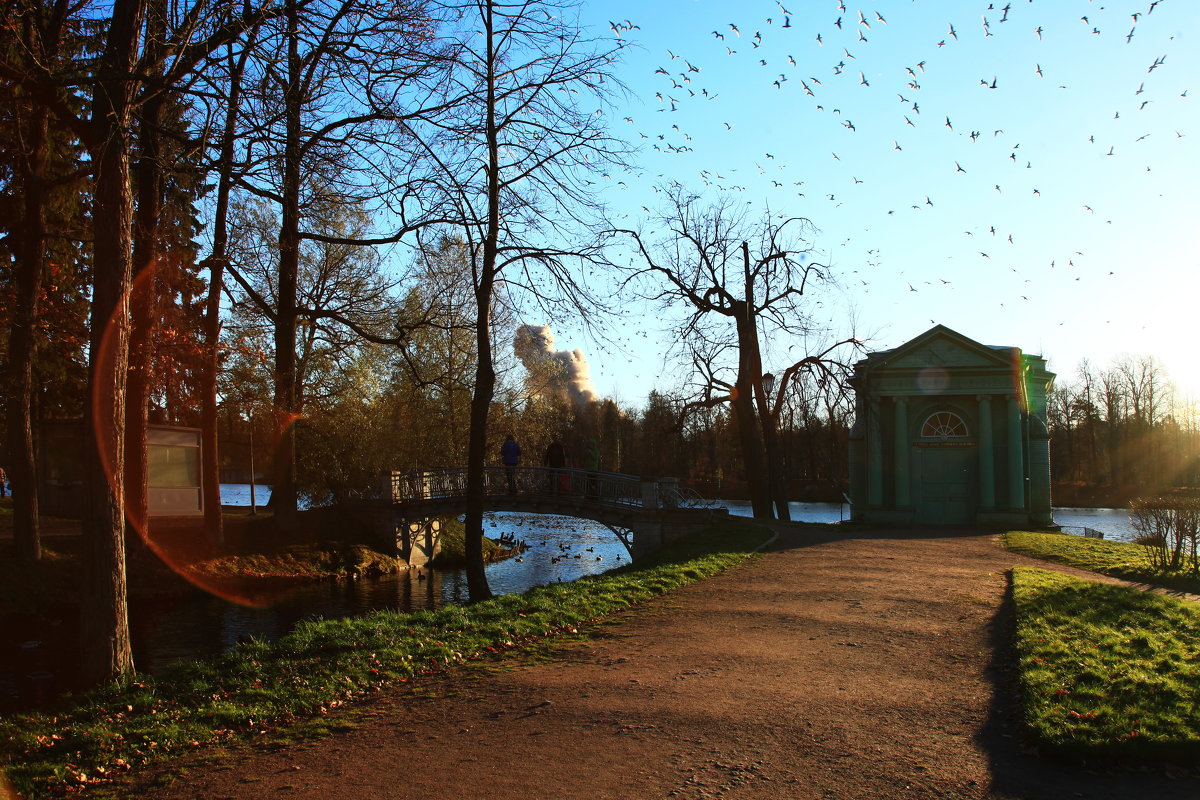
510, 456
556, 459
591, 462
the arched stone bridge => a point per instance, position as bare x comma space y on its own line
643, 514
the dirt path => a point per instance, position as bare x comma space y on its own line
868, 667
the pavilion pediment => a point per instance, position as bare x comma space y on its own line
938, 353
942, 347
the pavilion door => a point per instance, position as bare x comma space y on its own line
945, 496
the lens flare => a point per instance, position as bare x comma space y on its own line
179, 542
933, 380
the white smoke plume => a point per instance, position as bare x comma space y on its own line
568, 373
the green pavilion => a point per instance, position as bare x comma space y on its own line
951, 432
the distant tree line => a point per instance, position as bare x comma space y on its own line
1124, 427
349, 438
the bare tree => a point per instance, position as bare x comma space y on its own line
230, 93
817, 380
1150, 396
514, 152
1114, 402
1091, 417
342, 299
702, 261
335, 82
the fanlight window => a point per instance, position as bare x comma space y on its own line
944, 425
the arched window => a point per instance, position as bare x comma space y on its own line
944, 425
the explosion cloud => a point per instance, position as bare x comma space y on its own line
566, 371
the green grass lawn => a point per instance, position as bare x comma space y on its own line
1118, 559
323, 664
1109, 673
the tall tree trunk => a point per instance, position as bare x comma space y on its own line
104, 622
749, 431
485, 374
210, 461
481, 401
283, 492
28, 279
144, 299
749, 385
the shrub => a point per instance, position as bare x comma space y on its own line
1169, 530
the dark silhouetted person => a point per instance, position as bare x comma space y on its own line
556, 459
510, 456
591, 462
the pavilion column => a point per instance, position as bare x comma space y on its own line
1039, 472
874, 456
1016, 460
987, 455
901, 455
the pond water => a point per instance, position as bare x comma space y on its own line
238, 494
1114, 523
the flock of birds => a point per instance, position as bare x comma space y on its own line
831, 91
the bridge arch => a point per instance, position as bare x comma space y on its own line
643, 514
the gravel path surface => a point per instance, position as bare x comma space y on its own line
864, 666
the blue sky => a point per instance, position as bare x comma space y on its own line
1080, 185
